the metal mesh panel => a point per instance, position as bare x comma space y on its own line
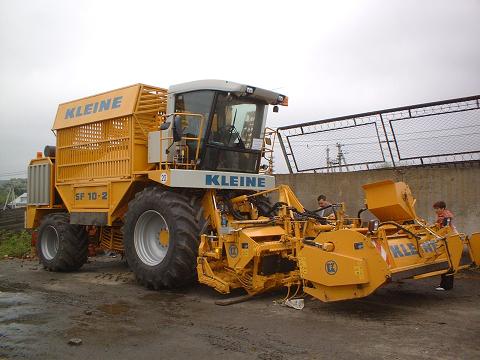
440, 132
95, 150
152, 101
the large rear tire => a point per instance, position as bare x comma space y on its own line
61, 246
161, 238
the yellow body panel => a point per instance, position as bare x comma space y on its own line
102, 144
112, 104
92, 196
474, 247
389, 200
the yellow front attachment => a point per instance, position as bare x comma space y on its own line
332, 259
353, 269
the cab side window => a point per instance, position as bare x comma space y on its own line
196, 102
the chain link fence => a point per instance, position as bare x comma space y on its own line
431, 133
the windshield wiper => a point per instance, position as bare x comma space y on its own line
233, 126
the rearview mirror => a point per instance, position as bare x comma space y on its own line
165, 126
373, 226
177, 128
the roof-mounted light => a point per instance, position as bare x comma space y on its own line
282, 100
249, 90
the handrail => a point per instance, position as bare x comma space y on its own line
198, 139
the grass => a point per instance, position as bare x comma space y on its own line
16, 244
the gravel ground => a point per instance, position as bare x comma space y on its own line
115, 318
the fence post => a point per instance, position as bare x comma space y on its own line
388, 140
282, 145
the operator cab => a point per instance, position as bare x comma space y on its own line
228, 118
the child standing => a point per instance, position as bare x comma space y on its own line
444, 218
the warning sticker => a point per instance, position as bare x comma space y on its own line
331, 267
233, 251
257, 144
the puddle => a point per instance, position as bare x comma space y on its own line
114, 309
21, 318
12, 299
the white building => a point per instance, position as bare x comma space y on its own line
19, 202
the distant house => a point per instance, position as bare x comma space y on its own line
19, 202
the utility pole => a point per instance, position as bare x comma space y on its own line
341, 157
12, 193
339, 161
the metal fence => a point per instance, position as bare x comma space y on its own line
432, 133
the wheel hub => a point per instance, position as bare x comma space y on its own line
151, 237
49, 242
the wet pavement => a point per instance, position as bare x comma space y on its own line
115, 318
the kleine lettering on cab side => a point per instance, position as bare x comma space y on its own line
92, 108
234, 180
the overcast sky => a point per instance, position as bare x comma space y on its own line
331, 58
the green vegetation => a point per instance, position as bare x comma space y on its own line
16, 244
19, 186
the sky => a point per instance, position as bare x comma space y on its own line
331, 58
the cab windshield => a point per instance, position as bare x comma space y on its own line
235, 138
237, 123
232, 137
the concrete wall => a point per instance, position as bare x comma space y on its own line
458, 186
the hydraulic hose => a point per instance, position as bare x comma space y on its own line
400, 227
415, 236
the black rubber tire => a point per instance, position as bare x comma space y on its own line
178, 267
73, 243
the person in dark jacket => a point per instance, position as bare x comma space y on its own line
322, 204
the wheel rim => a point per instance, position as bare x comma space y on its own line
149, 245
49, 242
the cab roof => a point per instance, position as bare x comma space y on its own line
270, 97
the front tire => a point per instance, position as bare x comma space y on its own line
61, 246
161, 238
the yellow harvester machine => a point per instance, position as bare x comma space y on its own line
179, 180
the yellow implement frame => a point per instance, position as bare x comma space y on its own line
332, 261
